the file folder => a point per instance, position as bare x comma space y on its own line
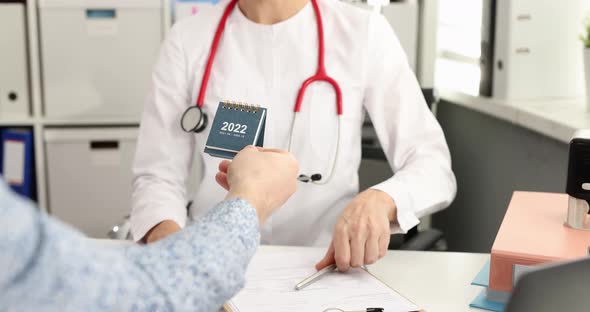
18, 161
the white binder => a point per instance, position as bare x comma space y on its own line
14, 90
537, 51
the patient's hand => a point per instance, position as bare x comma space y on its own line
162, 230
265, 178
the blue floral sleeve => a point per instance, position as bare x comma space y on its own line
47, 266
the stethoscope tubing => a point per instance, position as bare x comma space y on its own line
334, 156
320, 76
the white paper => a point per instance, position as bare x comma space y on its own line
274, 272
14, 162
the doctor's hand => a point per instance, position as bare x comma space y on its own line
265, 178
361, 235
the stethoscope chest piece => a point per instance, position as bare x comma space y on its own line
194, 120
314, 178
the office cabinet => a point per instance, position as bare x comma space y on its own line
98, 56
89, 176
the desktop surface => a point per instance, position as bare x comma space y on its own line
435, 281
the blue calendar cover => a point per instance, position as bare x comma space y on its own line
235, 126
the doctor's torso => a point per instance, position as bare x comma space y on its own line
265, 65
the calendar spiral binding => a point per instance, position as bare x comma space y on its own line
241, 106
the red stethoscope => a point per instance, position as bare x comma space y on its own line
195, 120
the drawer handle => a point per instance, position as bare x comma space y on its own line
97, 14
104, 145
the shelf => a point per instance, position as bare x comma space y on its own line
15, 122
555, 118
89, 122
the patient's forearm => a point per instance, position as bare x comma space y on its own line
46, 266
203, 266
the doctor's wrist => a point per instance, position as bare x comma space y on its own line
387, 202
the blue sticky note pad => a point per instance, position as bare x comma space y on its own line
481, 302
235, 126
483, 277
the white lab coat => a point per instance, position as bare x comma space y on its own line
265, 65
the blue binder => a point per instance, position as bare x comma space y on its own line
18, 143
1, 155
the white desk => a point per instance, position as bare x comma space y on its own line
435, 281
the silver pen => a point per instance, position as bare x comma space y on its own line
314, 277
